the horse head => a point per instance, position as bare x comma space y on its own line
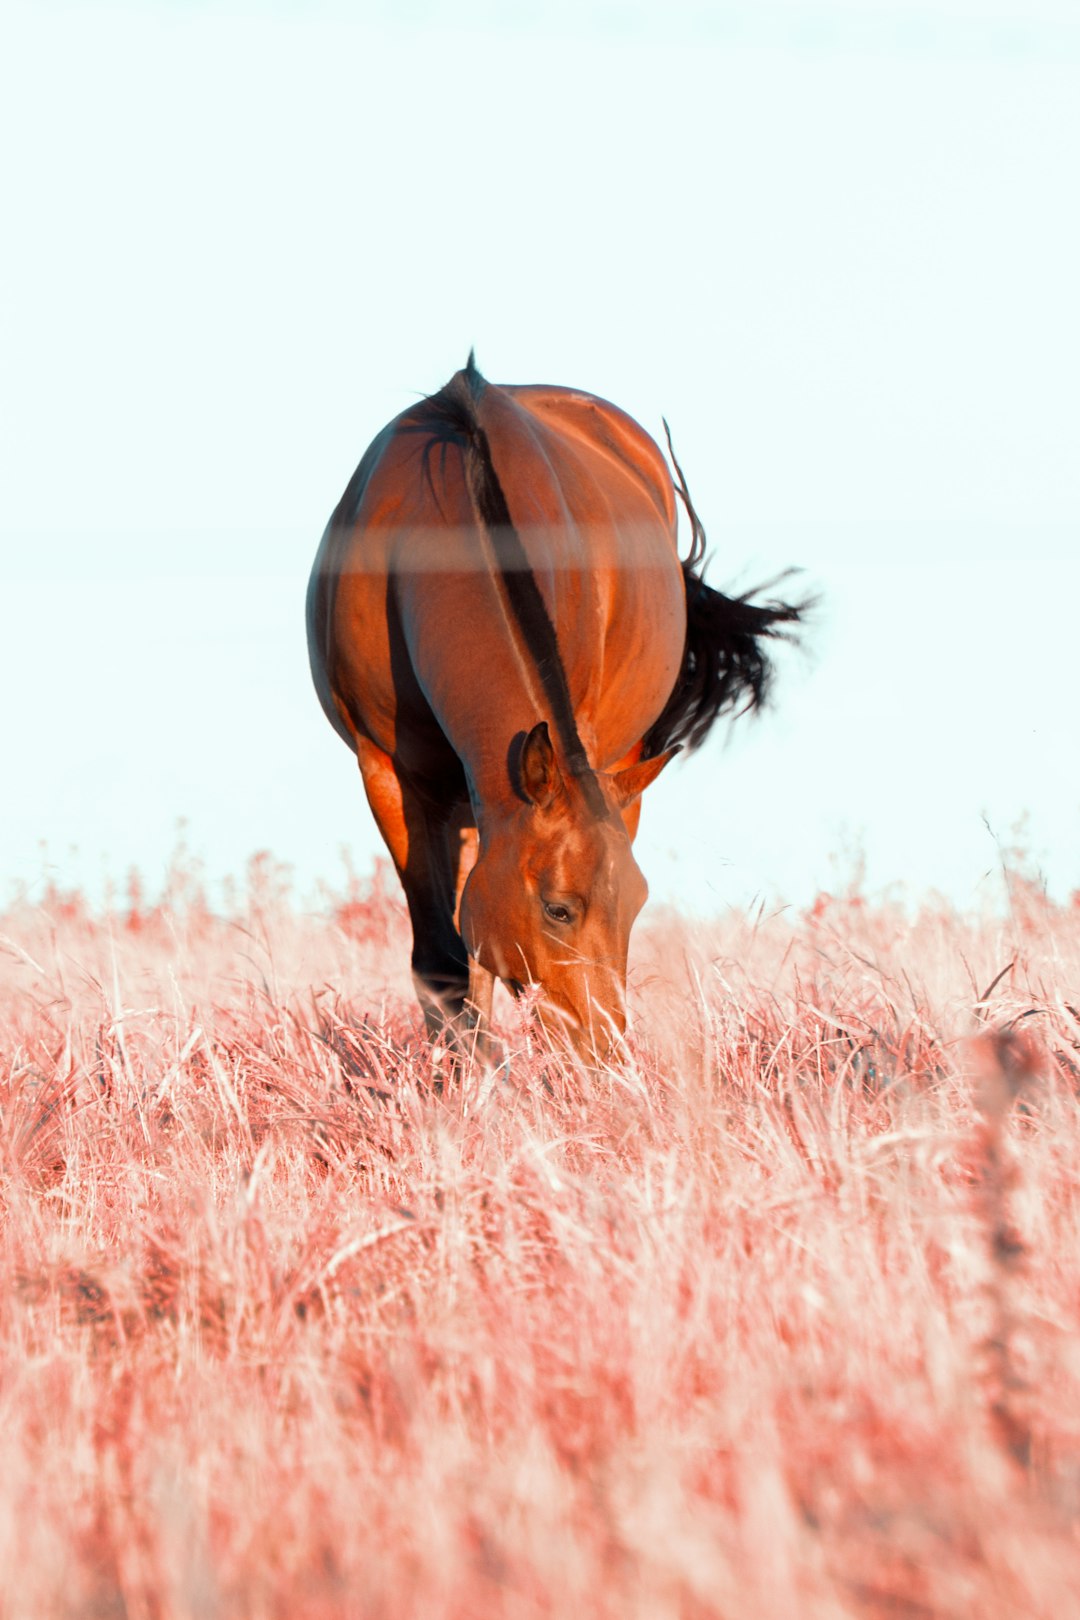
555, 890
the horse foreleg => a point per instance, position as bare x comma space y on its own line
416, 834
478, 1007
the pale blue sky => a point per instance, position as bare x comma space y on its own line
837, 247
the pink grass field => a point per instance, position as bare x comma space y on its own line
778, 1320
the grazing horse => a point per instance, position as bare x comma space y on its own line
500, 627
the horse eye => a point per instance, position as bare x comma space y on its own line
557, 912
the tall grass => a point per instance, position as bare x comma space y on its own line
778, 1320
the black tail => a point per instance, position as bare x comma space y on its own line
725, 668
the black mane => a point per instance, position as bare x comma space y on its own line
456, 411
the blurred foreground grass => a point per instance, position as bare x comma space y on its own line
780, 1319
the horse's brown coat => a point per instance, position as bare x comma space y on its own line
496, 618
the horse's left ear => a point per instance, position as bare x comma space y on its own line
538, 769
631, 783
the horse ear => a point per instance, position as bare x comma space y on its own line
541, 778
631, 783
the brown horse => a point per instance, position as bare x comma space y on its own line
500, 627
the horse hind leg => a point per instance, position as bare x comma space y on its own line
422, 844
